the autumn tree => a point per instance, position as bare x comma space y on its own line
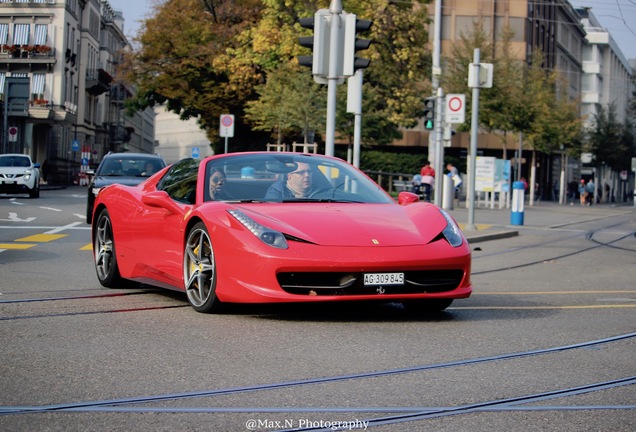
205, 57
290, 101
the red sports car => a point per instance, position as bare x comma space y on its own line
268, 227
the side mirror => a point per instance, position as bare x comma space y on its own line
405, 198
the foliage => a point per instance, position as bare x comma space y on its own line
611, 143
287, 102
208, 57
374, 160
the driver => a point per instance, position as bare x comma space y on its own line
298, 184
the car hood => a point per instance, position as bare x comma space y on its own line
15, 170
352, 224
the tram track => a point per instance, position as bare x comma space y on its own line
119, 405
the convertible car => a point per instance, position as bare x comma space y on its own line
266, 227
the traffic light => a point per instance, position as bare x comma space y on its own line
429, 113
352, 44
319, 43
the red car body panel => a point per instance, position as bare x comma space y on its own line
336, 237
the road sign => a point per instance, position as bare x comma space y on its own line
227, 126
195, 152
13, 134
75, 145
455, 108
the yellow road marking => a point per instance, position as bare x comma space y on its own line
540, 307
87, 247
42, 238
479, 227
15, 246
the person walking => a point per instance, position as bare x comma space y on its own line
582, 192
428, 179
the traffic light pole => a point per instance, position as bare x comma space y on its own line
474, 129
332, 80
439, 148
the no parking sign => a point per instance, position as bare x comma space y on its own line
455, 108
226, 126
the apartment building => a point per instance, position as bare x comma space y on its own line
61, 102
573, 44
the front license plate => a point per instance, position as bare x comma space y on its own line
384, 279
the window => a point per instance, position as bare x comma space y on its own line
180, 182
21, 34
4, 34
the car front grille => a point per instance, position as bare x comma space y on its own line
335, 284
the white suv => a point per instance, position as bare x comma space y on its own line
18, 174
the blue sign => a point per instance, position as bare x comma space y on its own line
195, 152
85, 161
75, 145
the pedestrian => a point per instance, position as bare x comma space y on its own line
45, 171
428, 179
571, 192
589, 190
453, 173
582, 192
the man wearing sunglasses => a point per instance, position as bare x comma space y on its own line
297, 184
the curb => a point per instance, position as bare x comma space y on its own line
477, 238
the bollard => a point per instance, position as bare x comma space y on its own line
448, 195
518, 192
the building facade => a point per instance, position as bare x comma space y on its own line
572, 42
67, 51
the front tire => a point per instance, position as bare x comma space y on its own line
35, 192
199, 270
104, 253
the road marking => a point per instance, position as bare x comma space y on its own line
13, 217
63, 228
41, 238
51, 208
6, 246
479, 227
87, 247
541, 307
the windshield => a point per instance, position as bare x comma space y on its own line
15, 161
130, 166
285, 177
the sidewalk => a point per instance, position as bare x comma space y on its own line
492, 224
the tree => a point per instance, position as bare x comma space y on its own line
288, 102
177, 60
611, 142
206, 57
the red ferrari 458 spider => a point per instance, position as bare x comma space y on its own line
268, 227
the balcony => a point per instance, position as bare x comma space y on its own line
35, 56
99, 82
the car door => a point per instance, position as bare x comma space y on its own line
159, 229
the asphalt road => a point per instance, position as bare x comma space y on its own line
547, 342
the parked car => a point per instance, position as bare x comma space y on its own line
18, 174
123, 168
267, 227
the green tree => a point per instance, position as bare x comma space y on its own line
290, 101
611, 142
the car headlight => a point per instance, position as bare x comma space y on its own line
451, 233
27, 174
266, 235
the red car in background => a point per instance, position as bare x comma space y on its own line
268, 227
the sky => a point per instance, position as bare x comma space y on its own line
617, 16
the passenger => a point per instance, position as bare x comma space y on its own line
296, 184
217, 183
